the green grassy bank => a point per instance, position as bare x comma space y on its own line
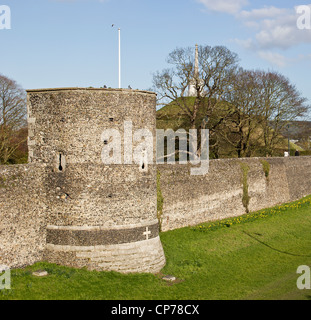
254, 256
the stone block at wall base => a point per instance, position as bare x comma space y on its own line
142, 256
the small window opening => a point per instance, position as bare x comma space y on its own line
60, 167
105, 141
60, 162
111, 119
143, 166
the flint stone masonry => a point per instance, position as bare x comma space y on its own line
99, 195
71, 120
81, 202
67, 207
22, 214
191, 200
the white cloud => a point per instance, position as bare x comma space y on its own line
275, 28
304, 57
276, 59
226, 6
263, 13
78, 0
247, 44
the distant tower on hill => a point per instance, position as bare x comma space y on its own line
195, 82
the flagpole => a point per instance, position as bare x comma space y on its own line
119, 58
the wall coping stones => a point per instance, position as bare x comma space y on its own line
91, 89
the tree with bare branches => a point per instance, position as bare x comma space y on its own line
209, 71
263, 103
281, 103
240, 130
12, 117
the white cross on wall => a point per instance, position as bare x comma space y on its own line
147, 233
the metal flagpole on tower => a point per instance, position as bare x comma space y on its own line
119, 34
119, 30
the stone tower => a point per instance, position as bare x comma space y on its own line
99, 216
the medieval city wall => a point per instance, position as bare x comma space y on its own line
190, 200
22, 214
25, 215
67, 207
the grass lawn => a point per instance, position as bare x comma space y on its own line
251, 257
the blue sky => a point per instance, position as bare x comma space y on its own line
69, 43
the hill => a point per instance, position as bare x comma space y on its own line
173, 116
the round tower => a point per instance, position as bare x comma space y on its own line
100, 215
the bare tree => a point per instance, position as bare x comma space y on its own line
281, 104
210, 78
12, 117
247, 110
241, 128
264, 103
